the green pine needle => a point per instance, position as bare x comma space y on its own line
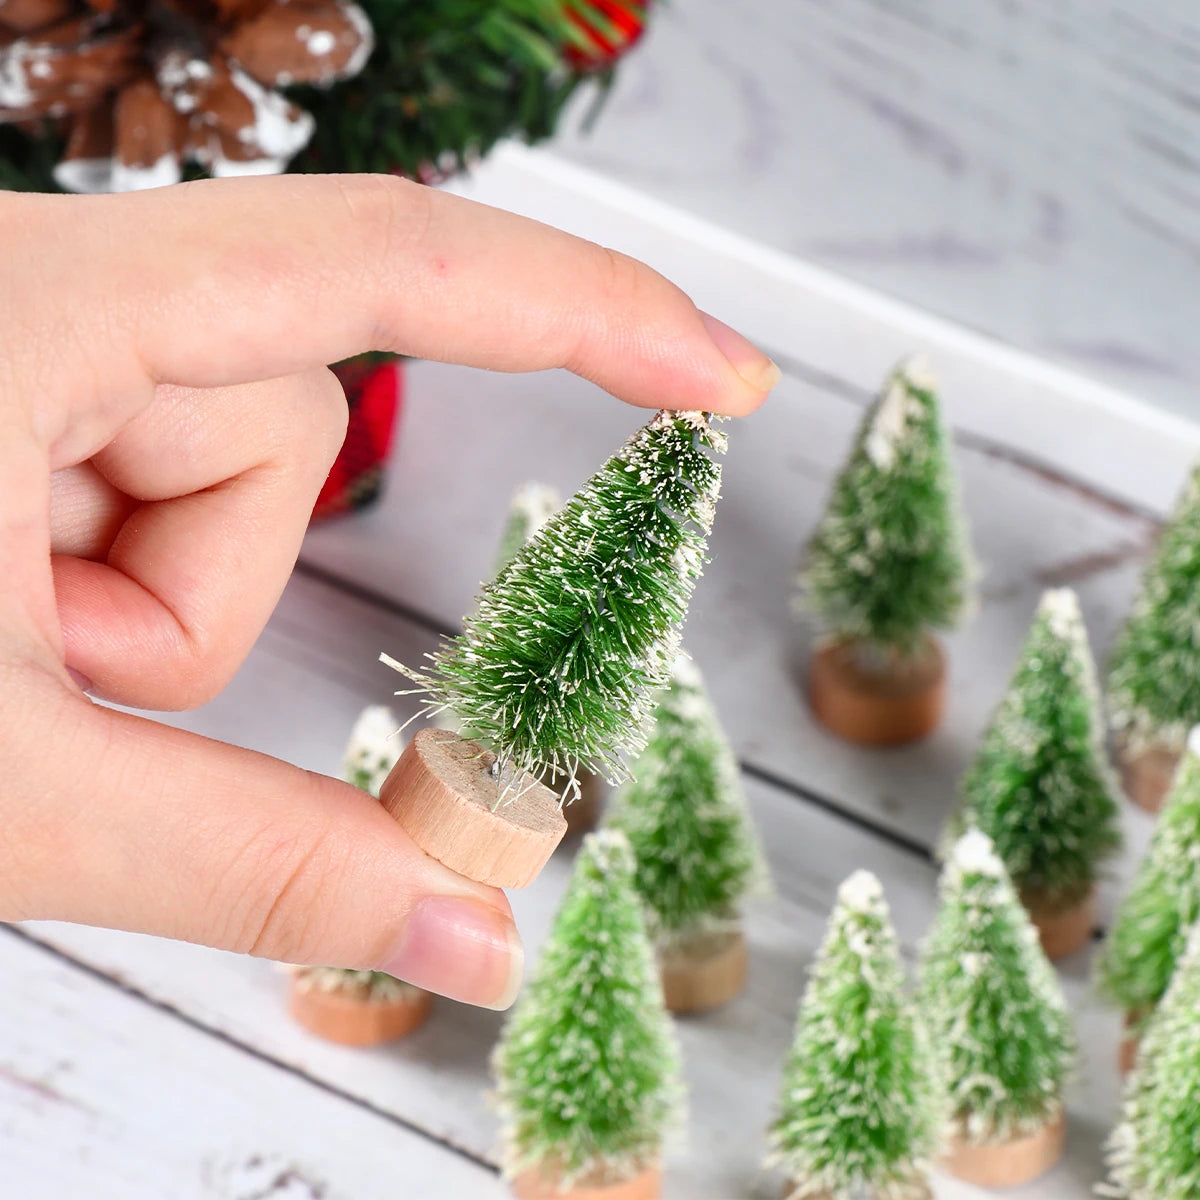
685, 816
857, 1114
587, 1068
1154, 1153
995, 1014
1154, 671
1151, 926
1040, 786
558, 666
889, 559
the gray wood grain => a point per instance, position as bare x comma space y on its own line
1031, 170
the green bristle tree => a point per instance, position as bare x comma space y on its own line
587, 1069
685, 816
560, 662
889, 560
1154, 669
1040, 786
1151, 926
995, 1015
1154, 1152
858, 1112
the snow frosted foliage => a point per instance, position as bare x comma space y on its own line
857, 1112
1040, 786
889, 559
587, 1068
1151, 926
533, 504
559, 663
991, 1003
1154, 1153
1154, 670
685, 816
373, 748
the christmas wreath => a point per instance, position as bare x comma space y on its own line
114, 95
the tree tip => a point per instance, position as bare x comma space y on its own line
861, 892
974, 854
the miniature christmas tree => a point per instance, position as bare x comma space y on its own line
1152, 924
997, 1022
587, 1069
560, 661
1154, 671
1154, 1153
857, 1115
533, 504
361, 1008
695, 849
887, 565
1040, 786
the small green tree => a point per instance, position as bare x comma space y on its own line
1154, 669
532, 505
991, 1002
559, 664
1040, 786
1154, 1152
1151, 926
889, 559
587, 1068
858, 1112
686, 819
373, 748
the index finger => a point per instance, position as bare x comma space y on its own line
227, 281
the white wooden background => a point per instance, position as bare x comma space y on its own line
134, 1068
1028, 168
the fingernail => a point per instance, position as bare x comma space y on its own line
745, 357
81, 681
463, 949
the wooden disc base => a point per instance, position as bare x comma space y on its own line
536, 1185
1147, 775
705, 974
498, 829
583, 812
888, 707
1006, 1164
354, 1020
1062, 930
1127, 1051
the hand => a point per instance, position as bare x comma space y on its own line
166, 421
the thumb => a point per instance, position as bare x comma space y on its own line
148, 828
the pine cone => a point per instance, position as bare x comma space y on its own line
142, 86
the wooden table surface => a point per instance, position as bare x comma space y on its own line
132, 1067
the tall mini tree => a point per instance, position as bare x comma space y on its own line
1154, 669
1154, 1152
559, 664
995, 1014
858, 1113
685, 816
1040, 786
587, 1069
889, 560
1151, 927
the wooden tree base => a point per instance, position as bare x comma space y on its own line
1062, 930
352, 1019
1147, 775
1006, 1164
535, 1185
706, 974
495, 828
583, 812
885, 707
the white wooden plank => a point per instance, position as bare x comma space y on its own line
431, 540
1027, 169
438, 1078
837, 328
104, 1096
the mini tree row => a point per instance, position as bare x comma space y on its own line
871, 1090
